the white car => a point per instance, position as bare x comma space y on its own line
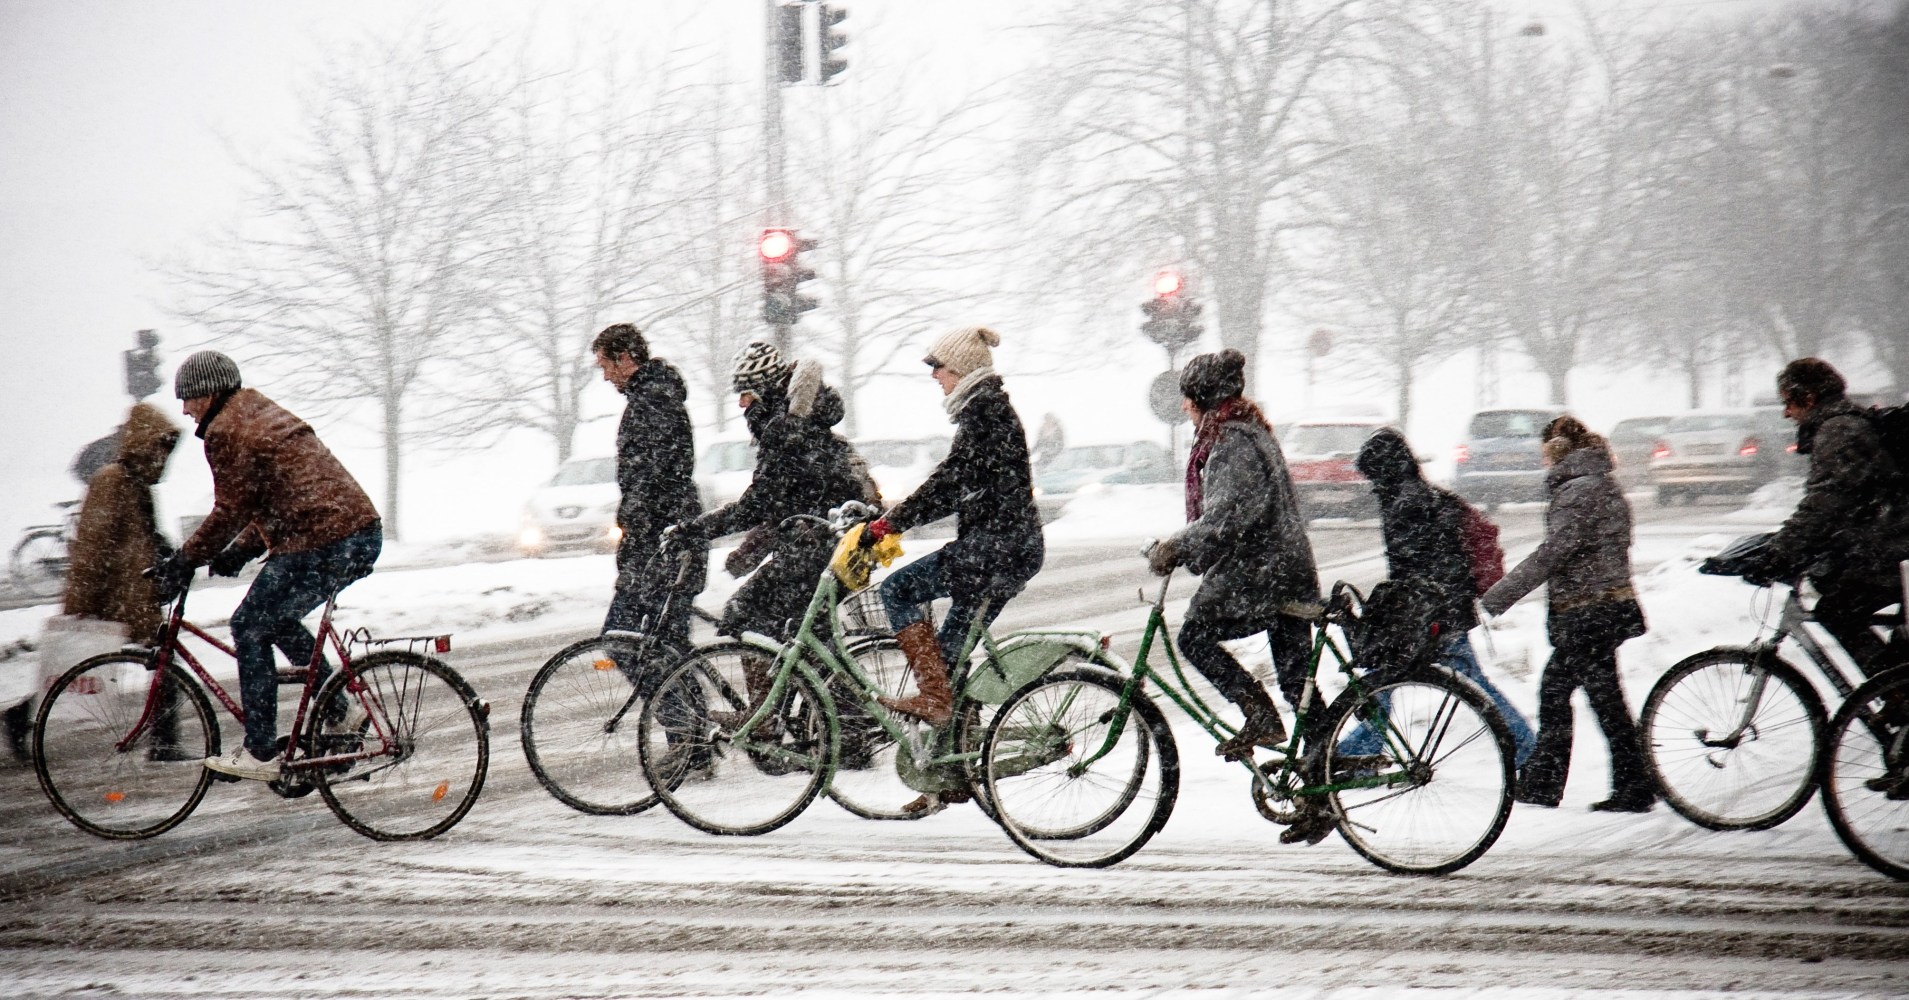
900, 465
724, 470
577, 510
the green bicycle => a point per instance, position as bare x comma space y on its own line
741, 736
1081, 769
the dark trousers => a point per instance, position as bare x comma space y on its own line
1847, 609
774, 597
1290, 638
922, 581
1593, 667
646, 579
288, 587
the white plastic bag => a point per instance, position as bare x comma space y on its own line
19, 673
68, 639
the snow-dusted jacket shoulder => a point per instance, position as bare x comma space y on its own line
1585, 557
655, 452
1852, 517
1249, 544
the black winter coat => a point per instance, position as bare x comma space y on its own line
1853, 522
655, 453
1423, 528
986, 483
802, 467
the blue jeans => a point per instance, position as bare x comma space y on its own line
287, 589
913, 585
1457, 655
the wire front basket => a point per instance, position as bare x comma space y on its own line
863, 613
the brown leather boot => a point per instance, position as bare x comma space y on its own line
933, 702
757, 678
1262, 728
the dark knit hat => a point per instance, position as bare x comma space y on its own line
207, 373
1386, 458
758, 367
1212, 379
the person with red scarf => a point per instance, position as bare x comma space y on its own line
1247, 541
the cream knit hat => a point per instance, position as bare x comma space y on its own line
964, 349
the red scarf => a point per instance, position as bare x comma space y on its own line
1206, 434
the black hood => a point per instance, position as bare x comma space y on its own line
1387, 459
657, 380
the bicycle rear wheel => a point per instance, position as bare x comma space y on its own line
580, 719
424, 736
1436, 797
109, 767
1866, 773
1060, 789
1733, 739
712, 776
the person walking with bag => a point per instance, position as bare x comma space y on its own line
1584, 563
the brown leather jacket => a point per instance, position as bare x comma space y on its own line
116, 539
275, 486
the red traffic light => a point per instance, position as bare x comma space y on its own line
776, 245
1167, 284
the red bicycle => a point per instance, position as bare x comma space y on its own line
399, 753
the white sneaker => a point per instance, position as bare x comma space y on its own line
241, 764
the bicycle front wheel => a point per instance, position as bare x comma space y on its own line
710, 773
580, 718
118, 758
421, 738
1733, 739
1436, 795
1866, 774
1065, 786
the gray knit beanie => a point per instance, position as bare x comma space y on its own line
207, 373
759, 366
1212, 379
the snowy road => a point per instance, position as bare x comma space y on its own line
259, 897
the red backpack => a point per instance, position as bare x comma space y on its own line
1479, 538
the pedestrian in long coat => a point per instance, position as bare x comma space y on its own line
1584, 563
117, 539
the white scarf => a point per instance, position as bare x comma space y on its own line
964, 391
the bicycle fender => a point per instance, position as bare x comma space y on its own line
1023, 656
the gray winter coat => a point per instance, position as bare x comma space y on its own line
1852, 522
1585, 558
1249, 545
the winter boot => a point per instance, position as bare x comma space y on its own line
933, 702
1262, 728
758, 680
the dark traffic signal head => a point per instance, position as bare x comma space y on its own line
1173, 318
829, 37
788, 43
783, 275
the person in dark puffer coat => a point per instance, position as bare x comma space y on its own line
987, 483
1423, 527
655, 466
1584, 565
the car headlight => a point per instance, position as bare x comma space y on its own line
1092, 488
531, 537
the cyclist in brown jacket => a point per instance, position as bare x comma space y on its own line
277, 491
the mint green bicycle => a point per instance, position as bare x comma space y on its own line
1411, 761
741, 736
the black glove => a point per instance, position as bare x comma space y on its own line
171, 576
228, 562
684, 532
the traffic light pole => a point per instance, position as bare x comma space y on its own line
776, 204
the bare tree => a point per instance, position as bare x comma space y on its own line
891, 190
1180, 133
363, 256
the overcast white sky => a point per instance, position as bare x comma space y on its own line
113, 115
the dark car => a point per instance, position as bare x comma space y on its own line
1632, 441
1723, 452
1500, 459
1320, 454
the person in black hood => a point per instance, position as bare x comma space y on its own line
655, 462
802, 467
1423, 527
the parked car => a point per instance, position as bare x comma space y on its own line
1091, 468
898, 465
724, 469
1320, 454
576, 510
1632, 441
1499, 461
1723, 452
